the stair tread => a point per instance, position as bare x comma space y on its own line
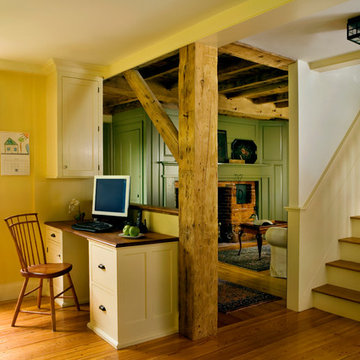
339, 292
344, 264
351, 240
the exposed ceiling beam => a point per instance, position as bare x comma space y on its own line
231, 71
155, 111
246, 108
270, 98
282, 104
250, 53
121, 88
275, 88
251, 80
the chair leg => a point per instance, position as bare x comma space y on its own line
20, 299
40, 294
52, 305
73, 291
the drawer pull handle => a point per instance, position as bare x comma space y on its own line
101, 266
102, 308
53, 235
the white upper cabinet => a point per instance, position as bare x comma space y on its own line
74, 122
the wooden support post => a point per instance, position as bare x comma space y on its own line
198, 118
153, 108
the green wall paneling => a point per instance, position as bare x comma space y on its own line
160, 171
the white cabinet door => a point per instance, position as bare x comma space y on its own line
80, 126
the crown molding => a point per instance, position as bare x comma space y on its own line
54, 64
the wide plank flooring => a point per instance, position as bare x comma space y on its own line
267, 331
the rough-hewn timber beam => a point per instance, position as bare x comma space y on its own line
271, 98
231, 71
198, 117
253, 77
122, 88
250, 53
263, 90
246, 108
153, 108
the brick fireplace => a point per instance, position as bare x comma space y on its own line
236, 203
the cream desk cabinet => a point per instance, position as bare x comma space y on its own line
133, 285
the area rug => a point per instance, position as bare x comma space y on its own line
233, 296
248, 259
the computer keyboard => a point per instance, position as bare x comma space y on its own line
93, 226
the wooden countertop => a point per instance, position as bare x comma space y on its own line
112, 238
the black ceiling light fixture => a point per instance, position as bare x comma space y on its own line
353, 30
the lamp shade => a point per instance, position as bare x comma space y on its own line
353, 30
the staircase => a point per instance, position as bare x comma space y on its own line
341, 295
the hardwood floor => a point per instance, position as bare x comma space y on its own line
269, 332
256, 280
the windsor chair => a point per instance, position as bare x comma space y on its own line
26, 233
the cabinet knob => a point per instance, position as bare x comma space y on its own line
101, 266
102, 308
65, 166
59, 255
53, 235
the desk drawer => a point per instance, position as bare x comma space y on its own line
53, 251
103, 311
53, 234
103, 266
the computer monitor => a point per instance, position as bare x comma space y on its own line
111, 195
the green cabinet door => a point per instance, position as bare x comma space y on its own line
127, 156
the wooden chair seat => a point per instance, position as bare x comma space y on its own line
50, 270
26, 233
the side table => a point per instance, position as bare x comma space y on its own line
258, 231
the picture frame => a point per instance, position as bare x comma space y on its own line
222, 147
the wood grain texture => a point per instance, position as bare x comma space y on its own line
198, 233
267, 331
261, 281
250, 53
157, 209
112, 238
351, 240
339, 292
153, 108
241, 105
343, 264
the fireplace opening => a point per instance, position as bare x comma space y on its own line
237, 201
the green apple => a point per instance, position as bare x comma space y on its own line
134, 231
126, 229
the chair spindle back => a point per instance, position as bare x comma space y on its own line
26, 232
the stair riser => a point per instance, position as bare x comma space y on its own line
337, 306
349, 252
343, 278
355, 227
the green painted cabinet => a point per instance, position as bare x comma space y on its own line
128, 155
139, 150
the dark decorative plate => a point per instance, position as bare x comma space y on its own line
244, 149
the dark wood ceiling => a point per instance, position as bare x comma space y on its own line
252, 83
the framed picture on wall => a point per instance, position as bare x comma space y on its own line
222, 147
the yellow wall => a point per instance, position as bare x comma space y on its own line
23, 108
162, 223
21, 103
